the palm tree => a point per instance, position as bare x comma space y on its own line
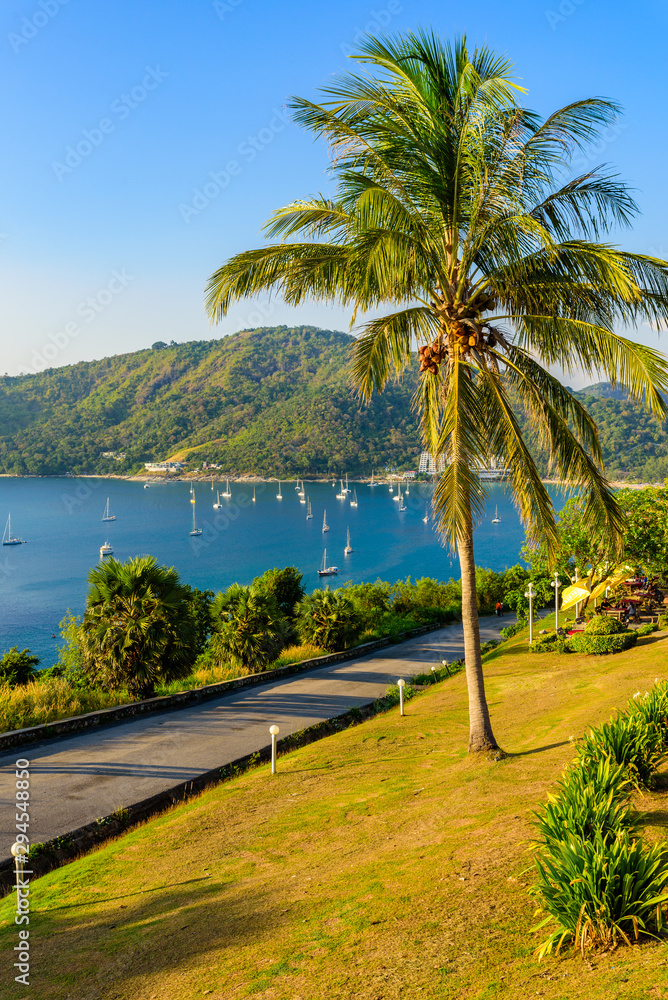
248, 627
328, 619
138, 626
455, 205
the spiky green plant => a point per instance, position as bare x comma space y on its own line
456, 209
588, 801
652, 706
630, 741
599, 891
328, 619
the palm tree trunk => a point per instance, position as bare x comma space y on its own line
481, 737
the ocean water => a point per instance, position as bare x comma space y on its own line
61, 520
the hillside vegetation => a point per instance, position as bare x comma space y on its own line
272, 401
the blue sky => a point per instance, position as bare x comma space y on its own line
121, 120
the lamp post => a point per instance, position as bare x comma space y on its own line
401, 684
274, 730
555, 583
530, 594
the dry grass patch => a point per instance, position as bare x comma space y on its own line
381, 863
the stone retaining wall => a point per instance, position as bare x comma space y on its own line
120, 713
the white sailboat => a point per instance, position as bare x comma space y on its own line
105, 550
341, 495
301, 489
346, 489
253, 494
372, 483
402, 505
217, 503
309, 513
348, 549
195, 530
398, 496
192, 493
227, 492
326, 570
147, 486
496, 519
426, 514
325, 526
212, 484
391, 489
279, 495
353, 502
107, 516
302, 498
7, 538
407, 489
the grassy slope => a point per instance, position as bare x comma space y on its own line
381, 863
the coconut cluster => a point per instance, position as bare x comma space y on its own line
431, 356
464, 333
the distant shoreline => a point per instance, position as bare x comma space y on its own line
163, 480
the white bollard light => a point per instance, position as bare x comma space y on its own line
401, 684
274, 730
433, 674
19, 852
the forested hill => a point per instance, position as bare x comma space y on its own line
272, 401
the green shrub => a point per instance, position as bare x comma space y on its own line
646, 629
546, 644
328, 619
589, 801
510, 630
18, 667
631, 741
603, 625
601, 890
603, 644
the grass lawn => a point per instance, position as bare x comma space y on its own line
379, 863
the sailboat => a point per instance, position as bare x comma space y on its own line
496, 519
398, 496
353, 502
107, 516
301, 489
105, 550
227, 492
279, 495
426, 514
348, 549
217, 503
195, 530
372, 483
346, 489
192, 493
326, 570
391, 488
407, 489
341, 495
402, 505
253, 494
309, 513
325, 526
7, 537
302, 498
212, 484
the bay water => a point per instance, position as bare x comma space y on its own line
61, 520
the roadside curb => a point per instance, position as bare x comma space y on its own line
78, 724
69, 846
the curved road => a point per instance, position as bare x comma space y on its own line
74, 780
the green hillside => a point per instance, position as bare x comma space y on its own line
271, 401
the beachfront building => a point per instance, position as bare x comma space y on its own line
163, 466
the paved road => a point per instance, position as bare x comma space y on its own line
74, 780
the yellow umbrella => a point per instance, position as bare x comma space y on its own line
577, 592
601, 588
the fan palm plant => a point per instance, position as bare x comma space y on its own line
456, 208
138, 626
248, 628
